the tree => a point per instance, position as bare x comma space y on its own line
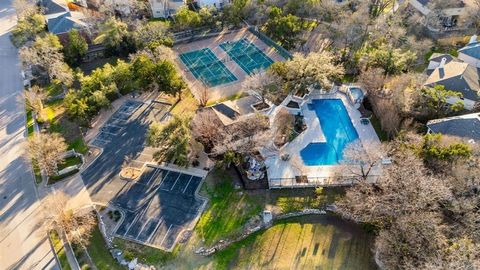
45, 54
78, 226
312, 69
373, 80
264, 83
47, 149
152, 34
207, 129
392, 60
27, 29
380, 6
436, 100
186, 18
24, 8
283, 126
360, 159
34, 99
437, 147
172, 139
111, 33
75, 49
283, 28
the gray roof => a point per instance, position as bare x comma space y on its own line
52, 7
468, 128
471, 49
457, 76
63, 24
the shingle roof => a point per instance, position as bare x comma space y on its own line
472, 49
457, 76
465, 126
64, 23
53, 7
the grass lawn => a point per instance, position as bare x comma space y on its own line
232, 97
59, 250
228, 210
53, 89
287, 200
145, 254
30, 123
69, 162
309, 242
99, 253
186, 106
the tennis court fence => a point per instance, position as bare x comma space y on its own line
282, 51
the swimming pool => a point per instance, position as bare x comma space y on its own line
337, 128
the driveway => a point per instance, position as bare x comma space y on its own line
23, 241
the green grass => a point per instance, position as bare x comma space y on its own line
59, 250
145, 254
99, 252
30, 123
308, 242
55, 178
305, 199
53, 89
37, 172
382, 135
228, 209
69, 162
232, 97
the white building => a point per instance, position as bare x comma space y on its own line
168, 8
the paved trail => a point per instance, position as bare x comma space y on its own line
23, 242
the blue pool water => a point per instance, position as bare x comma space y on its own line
337, 128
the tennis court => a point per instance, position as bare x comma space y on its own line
206, 67
247, 55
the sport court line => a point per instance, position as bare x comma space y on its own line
189, 180
175, 181
165, 237
154, 230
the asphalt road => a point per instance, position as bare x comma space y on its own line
23, 241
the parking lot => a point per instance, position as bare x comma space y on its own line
168, 206
161, 203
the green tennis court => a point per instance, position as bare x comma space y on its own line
206, 67
247, 55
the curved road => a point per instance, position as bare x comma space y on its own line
23, 241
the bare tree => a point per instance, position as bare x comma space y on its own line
77, 226
34, 99
360, 159
265, 84
373, 81
24, 8
203, 95
47, 149
207, 129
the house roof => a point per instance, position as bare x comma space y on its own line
65, 22
53, 6
472, 49
451, 3
464, 126
231, 110
457, 76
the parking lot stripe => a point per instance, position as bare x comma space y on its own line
114, 134
175, 181
189, 180
112, 125
154, 175
165, 237
131, 224
141, 229
154, 230
100, 140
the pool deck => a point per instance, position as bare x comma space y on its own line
229, 89
281, 173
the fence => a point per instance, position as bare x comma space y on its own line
317, 182
284, 53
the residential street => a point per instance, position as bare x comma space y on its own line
23, 241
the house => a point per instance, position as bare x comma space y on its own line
449, 13
60, 19
168, 8
471, 52
165, 8
455, 75
464, 126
